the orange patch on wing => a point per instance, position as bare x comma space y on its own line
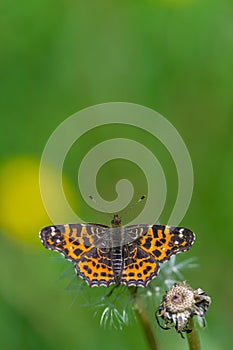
77, 246
94, 272
140, 272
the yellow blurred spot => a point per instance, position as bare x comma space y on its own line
22, 213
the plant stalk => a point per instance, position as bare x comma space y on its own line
193, 339
144, 319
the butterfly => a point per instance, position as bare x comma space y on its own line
129, 255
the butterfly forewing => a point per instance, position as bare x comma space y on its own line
164, 241
71, 240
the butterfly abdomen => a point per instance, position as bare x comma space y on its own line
117, 263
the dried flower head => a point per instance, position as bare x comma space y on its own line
180, 304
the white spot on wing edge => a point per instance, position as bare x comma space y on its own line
53, 230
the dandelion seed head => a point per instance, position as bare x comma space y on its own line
180, 304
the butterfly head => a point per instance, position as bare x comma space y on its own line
116, 222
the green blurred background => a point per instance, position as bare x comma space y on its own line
58, 57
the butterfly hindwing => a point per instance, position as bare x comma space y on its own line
139, 267
95, 267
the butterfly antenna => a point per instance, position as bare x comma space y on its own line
100, 207
134, 205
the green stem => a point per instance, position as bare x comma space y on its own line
193, 339
143, 318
